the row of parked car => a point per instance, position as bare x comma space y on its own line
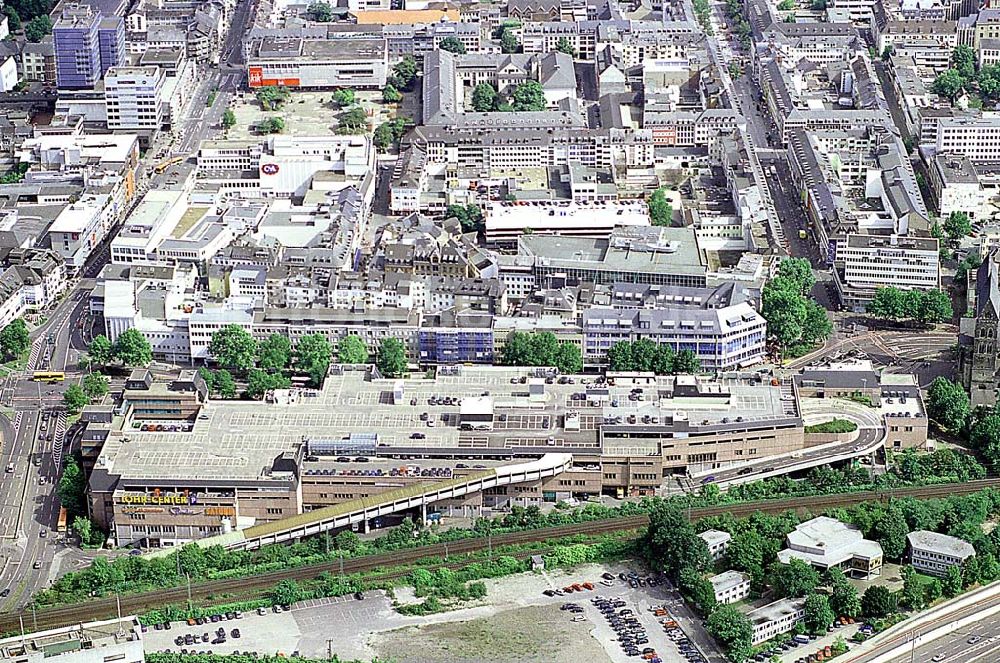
631, 633
679, 638
194, 638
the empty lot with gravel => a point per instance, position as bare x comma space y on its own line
536, 633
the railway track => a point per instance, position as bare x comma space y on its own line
245, 588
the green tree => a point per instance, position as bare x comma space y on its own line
890, 530
887, 304
819, 615
352, 350
528, 96
509, 42
912, 594
816, 325
698, 590
963, 59
37, 28
233, 347
74, 398
660, 211
272, 97
228, 119
274, 353
95, 386
563, 46
354, 121
796, 579
404, 73
391, 95
948, 404
484, 98
948, 84
391, 359
733, 631
952, 583
751, 552
785, 311
568, 358
260, 382
13, 20
989, 82
685, 362
286, 592
786, 5
15, 339
224, 383
878, 602
132, 348
796, 274
209, 377
984, 436
958, 224
271, 125
321, 11
452, 45
671, 543
101, 351
347, 541
72, 487
844, 599
313, 353
932, 306
83, 528
344, 97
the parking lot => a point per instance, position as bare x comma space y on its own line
515, 618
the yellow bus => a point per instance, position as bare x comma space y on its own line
162, 166
48, 376
61, 526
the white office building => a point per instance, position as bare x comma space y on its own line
717, 542
864, 263
934, 553
134, 98
730, 587
774, 618
976, 137
826, 543
153, 219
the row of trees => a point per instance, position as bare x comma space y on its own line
645, 355
233, 347
130, 349
528, 96
793, 317
923, 306
541, 349
93, 387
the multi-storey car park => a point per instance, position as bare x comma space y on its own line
163, 475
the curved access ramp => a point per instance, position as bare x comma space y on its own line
359, 510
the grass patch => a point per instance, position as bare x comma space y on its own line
833, 426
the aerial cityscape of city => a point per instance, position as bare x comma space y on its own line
454, 331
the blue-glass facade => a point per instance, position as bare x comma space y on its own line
455, 346
86, 46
